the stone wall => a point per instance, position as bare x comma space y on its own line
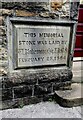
18, 90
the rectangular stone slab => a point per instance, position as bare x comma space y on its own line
41, 45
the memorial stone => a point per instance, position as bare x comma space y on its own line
39, 42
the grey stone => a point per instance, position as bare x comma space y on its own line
1, 20
40, 84
43, 110
2, 31
22, 91
70, 98
20, 102
7, 94
3, 53
49, 15
45, 14
74, 10
31, 6
27, 86
42, 75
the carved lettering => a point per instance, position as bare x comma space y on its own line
38, 46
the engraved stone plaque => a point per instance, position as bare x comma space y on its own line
41, 45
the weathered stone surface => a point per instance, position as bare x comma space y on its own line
11, 5
45, 14
61, 8
26, 98
2, 30
31, 85
3, 53
7, 94
30, 6
24, 13
5, 12
20, 102
39, 85
74, 10
70, 98
3, 42
42, 75
22, 5
22, 91
1, 20
48, 15
2, 71
56, 5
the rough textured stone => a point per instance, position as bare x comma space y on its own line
74, 10
31, 85
5, 12
20, 102
24, 13
70, 98
2, 72
42, 75
39, 85
48, 15
22, 91
3, 42
7, 94
1, 20
11, 5
2, 30
45, 14
61, 8
56, 5
3, 53
30, 6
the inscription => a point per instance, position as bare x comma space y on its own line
43, 34
41, 45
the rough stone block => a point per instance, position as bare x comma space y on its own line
70, 98
20, 102
22, 91
23, 13
5, 12
7, 94
42, 75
